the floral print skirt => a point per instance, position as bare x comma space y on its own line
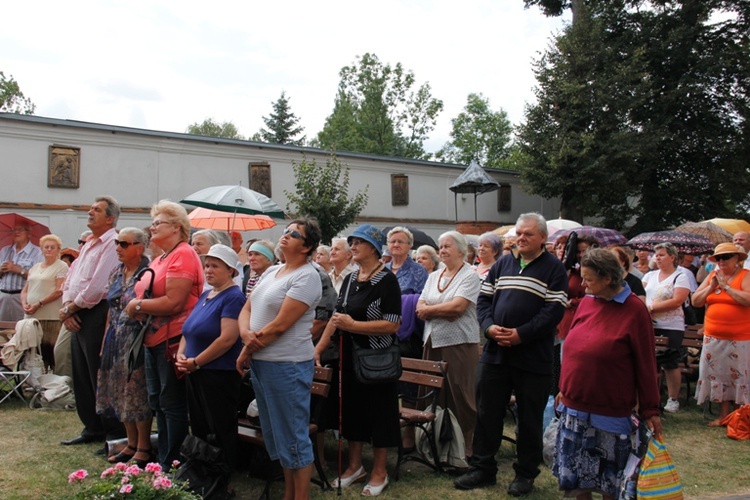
724, 371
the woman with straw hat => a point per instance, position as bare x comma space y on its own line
725, 357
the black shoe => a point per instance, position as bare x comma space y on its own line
475, 478
82, 440
102, 452
520, 486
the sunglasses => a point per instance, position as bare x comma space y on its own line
294, 234
725, 256
125, 244
158, 223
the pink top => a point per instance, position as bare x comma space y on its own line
88, 277
182, 262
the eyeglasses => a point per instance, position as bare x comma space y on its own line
158, 223
126, 244
294, 234
81, 242
725, 256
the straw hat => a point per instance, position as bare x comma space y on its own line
728, 249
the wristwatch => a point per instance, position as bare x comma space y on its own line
66, 310
138, 305
726, 287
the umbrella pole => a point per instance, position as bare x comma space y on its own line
455, 204
475, 207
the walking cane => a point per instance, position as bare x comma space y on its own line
341, 419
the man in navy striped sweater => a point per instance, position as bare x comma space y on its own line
519, 306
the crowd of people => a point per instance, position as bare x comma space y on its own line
162, 323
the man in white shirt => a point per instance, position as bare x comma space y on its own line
742, 239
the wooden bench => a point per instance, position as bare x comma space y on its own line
429, 377
251, 433
693, 339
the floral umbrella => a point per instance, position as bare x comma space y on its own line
690, 244
606, 237
708, 229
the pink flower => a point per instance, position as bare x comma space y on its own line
153, 467
108, 472
133, 470
77, 476
120, 466
126, 488
175, 464
125, 480
162, 483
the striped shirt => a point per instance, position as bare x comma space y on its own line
26, 258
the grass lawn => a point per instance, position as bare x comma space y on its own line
36, 466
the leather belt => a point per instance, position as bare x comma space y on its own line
11, 292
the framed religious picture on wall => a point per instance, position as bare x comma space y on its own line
260, 178
64, 169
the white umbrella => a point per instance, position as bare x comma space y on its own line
235, 199
555, 225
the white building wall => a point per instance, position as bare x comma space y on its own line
139, 167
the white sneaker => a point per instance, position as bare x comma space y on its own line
672, 406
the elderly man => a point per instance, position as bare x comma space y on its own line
520, 303
17, 258
84, 314
742, 239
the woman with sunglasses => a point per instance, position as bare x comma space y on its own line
725, 358
667, 287
275, 325
368, 314
117, 396
177, 284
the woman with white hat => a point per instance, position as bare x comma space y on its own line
208, 350
725, 358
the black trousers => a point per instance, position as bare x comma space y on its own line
495, 384
85, 346
212, 397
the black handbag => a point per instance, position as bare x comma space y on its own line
374, 366
377, 366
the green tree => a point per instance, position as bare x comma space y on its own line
281, 125
642, 112
12, 99
322, 191
377, 110
478, 134
211, 128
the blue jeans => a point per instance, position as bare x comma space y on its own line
167, 397
282, 390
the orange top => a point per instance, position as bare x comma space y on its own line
725, 318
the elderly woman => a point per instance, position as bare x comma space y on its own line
203, 240
448, 306
117, 395
178, 282
489, 248
428, 258
208, 352
666, 290
260, 256
635, 284
369, 311
608, 371
323, 257
411, 276
41, 297
341, 262
275, 326
725, 358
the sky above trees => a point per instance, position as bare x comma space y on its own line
163, 65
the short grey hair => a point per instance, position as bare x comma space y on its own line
537, 218
324, 248
461, 244
138, 235
494, 240
346, 246
211, 235
605, 264
113, 208
401, 229
431, 253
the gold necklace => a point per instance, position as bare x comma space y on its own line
441, 290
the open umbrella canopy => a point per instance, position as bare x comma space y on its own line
10, 220
708, 229
605, 236
731, 225
690, 244
503, 230
558, 224
420, 237
204, 218
235, 199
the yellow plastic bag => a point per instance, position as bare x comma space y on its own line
658, 477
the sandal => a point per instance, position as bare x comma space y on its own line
122, 457
142, 463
